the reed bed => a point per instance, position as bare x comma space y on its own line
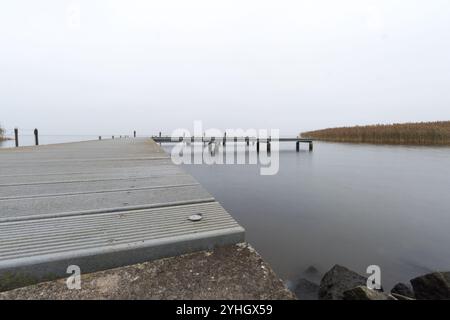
421, 133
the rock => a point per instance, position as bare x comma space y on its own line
338, 280
364, 293
311, 270
306, 290
432, 286
403, 289
312, 274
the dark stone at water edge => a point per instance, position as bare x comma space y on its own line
403, 289
311, 270
432, 286
338, 280
306, 290
312, 274
364, 293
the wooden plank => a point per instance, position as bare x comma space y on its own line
100, 204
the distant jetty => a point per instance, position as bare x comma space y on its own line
420, 133
2, 135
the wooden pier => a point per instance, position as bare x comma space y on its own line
99, 205
226, 139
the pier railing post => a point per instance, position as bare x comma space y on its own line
16, 136
36, 137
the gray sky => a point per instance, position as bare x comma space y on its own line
98, 66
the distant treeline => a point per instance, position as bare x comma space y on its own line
423, 133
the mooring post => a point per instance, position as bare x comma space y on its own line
16, 136
36, 137
134, 133
225, 138
310, 146
99, 137
257, 145
268, 145
297, 146
247, 139
113, 137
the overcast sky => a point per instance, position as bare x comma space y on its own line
107, 66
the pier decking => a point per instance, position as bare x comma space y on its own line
99, 205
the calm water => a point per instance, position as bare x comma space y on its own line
350, 204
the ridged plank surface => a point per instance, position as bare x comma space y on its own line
100, 204
23, 240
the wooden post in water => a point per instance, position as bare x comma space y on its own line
297, 146
311, 146
36, 137
225, 138
113, 137
134, 133
16, 136
257, 145
99, 137
247, 139
268, 145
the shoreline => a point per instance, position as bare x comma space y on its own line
234, 272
